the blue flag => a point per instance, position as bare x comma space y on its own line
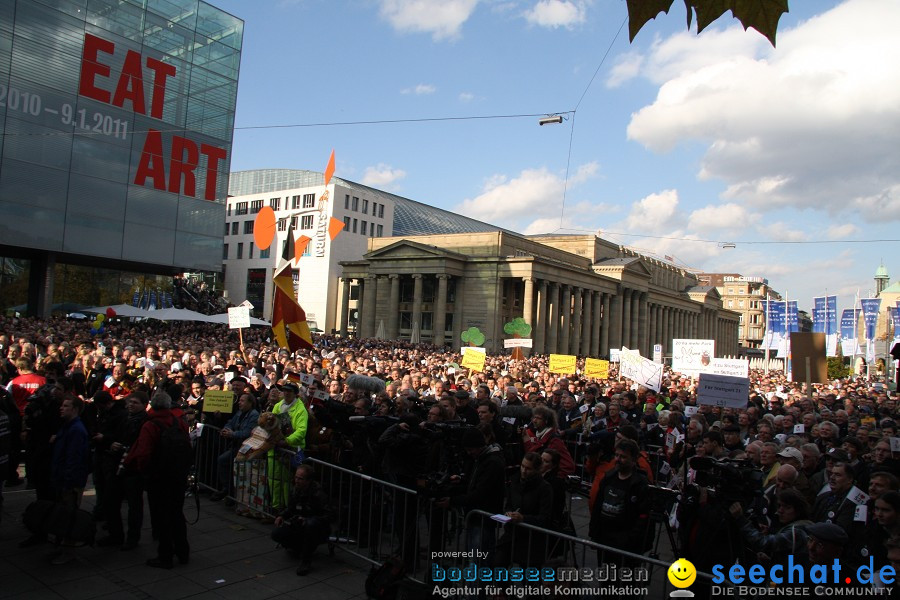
831, 324
818, 314
793, 317
870, 308
848, 323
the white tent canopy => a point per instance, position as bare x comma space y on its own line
122, 310
179, 314
223, 318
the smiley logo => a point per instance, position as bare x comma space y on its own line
682, 573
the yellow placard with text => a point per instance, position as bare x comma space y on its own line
596, 368
218, 401
564, 364
474, 361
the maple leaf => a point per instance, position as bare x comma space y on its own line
761, 15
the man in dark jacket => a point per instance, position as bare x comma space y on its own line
238, 429
71, 462
166, 482
306, 522
619, 517
530, 502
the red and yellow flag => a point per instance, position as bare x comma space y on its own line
288, 317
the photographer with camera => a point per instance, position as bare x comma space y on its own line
306, 521
790, 537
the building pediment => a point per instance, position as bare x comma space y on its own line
631, 266
408, 249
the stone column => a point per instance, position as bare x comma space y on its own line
417, 302
393, 321
666, 331
345, 305
643, 329
575, 341
626, 319
597, 307
528, 301
635, 321
587, 304
367, 312
539, 331
605, 324
458, 312
615, 315
553, 318
565, 322
439, 317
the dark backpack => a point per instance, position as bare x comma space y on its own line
175, 456
383, 582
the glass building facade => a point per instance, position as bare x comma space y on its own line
116, 125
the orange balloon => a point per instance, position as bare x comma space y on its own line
264, 228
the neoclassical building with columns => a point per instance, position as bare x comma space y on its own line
581, 294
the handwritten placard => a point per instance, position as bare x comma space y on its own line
218, 401
473, 361
238, 317
596, 368
564, 364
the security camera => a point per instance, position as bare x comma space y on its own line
550, 120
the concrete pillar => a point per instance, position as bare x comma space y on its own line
528, 301
417, 302
439, 317
587, 321
392, 332
615, 315
605, 321
643, 329
539, 331
626, 319
345, 305
553, 318
575, 341
565, 313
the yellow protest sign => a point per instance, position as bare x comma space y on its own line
473, 360
596, 368
564, 364
218, 401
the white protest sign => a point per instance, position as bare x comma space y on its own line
657, 353
799, 428
639, 369
857, 496
238, 317
733, 367
517, 343
613, 355
246, 304
722, 390
895, 444
690, 357
690, 411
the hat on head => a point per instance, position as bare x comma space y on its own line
791, 452
828, 533
461, 394
837, 455
290, 386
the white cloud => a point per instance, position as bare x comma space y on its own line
421, 89
627, 67
466, 97
782, 232
725, 217
382, 176
837, 232
557, 13
656, 213
441, 18
517, 203
812, 124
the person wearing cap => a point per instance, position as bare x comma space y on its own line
794, 458
464, 408
825, 543
293, 419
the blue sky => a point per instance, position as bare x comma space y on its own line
712, 137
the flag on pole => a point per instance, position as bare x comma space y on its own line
288, 317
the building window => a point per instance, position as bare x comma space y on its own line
381, 211
295, 202
256, 206
265, 253
241, 208
405, 320
227, 228
225, 252
427, 321
347, 223
275, 203
363, 227
346, 201
309, 200
282, 224
741, 303
448, 322
250, 251
380, 231
354, 225
374, 209
429, 290
743, 291
731, 304
240, 252
234, 228
730, 291
306, 222
294, 222
307, 251
229, 210
355, 204
248, 226
365, 206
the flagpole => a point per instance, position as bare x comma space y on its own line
766, 335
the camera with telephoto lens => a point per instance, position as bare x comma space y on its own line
727, 480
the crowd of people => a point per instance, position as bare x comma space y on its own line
810, 473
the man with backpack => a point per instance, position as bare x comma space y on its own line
163, 455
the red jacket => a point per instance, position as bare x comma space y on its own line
140, 456
549, 440
24, 386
